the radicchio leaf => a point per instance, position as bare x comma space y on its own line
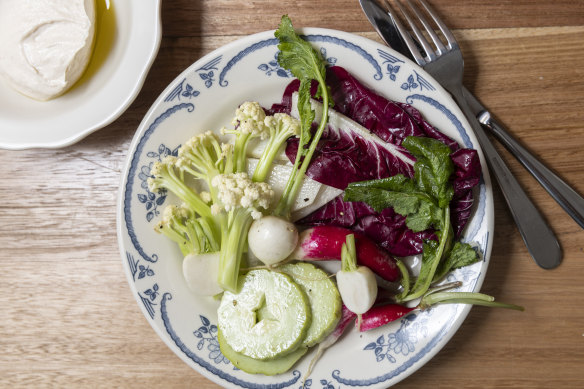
343, 157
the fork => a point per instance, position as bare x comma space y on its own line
445, 63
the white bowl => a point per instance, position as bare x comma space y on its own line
112, 81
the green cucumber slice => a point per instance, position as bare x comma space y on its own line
267, 318
323, 296
255, 366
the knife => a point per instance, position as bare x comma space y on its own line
545, 256
565, 195
384, 26
560, 191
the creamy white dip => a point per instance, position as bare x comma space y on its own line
45, 45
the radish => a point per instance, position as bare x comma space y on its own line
346, 318
272, 239
201, 271
382, 314
325, 243
357, 284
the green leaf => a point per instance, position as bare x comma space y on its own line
461, 255
297, 55
398, 183
427, 215
306, 116
379, 199
433, 167
428, 256
399, 192
432, 254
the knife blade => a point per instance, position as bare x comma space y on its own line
565, 195
384, 26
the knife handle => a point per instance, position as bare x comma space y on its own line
567, 197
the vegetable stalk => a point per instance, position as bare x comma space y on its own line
305, 63
233, 242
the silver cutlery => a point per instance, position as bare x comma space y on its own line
445, 63
563, 193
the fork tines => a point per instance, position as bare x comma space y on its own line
421, 43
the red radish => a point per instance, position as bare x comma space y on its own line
346, 318
380, 315
323, 243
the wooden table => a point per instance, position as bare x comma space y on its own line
68, 317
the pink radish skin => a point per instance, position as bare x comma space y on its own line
346, 318
324, 243
380, 315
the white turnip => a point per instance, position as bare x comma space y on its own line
272, 239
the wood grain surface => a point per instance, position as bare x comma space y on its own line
68, 318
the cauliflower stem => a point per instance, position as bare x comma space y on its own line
233, 242
281, 127
194, 235
239, 199
166, 175
249, 123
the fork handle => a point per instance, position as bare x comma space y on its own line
536, 233
565, 195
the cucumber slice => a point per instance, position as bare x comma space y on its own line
324, 298
256, 366
267, 318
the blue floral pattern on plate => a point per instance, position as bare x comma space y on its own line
232, 74
153, 200
403, 341
207, 333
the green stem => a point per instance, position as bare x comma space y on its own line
349, 254
294, 185
239, 152
405, 278
465, 298
176, 237
233, 241
443, 287
422, 285
313, 144
177, 186
211, 234
281, 209
265, 163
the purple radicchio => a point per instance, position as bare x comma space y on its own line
346, 155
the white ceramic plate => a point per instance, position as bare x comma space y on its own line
128, 39
204, 97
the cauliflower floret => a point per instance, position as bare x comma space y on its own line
226, 150
250, 117
160, 168
203, 156
283, 123
238, 190
281, 126
206, 196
